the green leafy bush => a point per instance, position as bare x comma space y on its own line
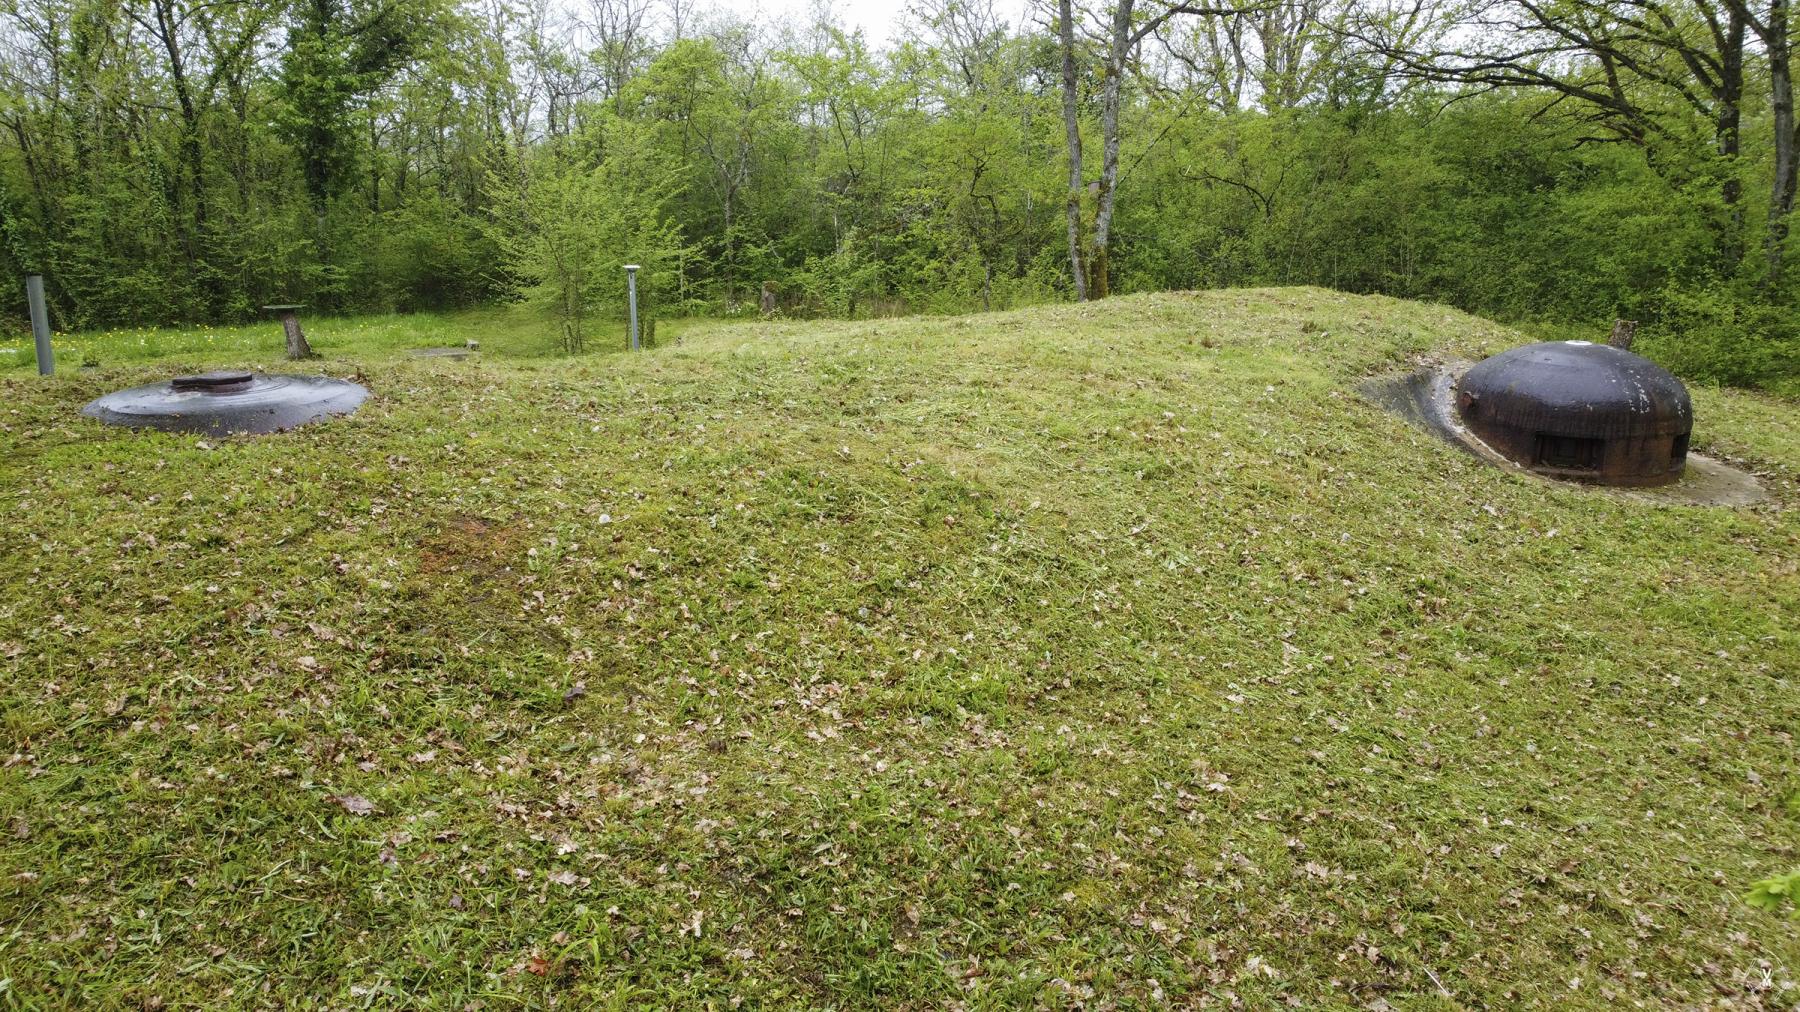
1777, 893
1716, 335
570, 225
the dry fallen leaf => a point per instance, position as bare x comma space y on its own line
355, 804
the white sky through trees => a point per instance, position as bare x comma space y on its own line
883, 22
878, 19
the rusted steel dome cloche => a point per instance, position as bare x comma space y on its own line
1580, 411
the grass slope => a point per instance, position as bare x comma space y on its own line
1093, 656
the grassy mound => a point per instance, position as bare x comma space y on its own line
1091, 656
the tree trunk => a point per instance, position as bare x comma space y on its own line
1099, 284
1727, 131
1072, 125
730, 254
374, 162
191, 157
1781, 102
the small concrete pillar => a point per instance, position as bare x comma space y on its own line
1623, 333
297, 348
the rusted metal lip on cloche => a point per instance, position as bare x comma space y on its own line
1426, 396
228, 401
223, 381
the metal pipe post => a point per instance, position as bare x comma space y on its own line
631, 290
40, 323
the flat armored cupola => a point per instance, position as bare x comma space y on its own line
1580, 411
219, 403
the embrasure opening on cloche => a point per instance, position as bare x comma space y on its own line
219, 403
1580, 411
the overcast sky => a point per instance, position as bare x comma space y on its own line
875, 17
882, 21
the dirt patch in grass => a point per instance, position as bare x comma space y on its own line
472, 589
472, 547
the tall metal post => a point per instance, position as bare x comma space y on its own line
40, 323
631, 296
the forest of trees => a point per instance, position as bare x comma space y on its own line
1547, 160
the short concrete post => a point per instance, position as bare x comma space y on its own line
1623, 333
631, 297
40, 324
297, 348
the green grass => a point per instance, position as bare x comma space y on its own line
1107, 656
505, 331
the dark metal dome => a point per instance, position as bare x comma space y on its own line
217, 403
1581, 411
